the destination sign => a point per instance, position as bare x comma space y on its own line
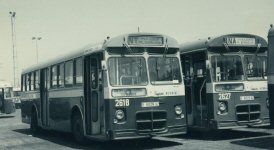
146, 40
236, 41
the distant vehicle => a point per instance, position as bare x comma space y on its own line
17, 97
226, 82
271, 74
7, 105
128, 87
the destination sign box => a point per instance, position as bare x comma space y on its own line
237, 41
145, 40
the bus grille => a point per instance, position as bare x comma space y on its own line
154, 121
247, 113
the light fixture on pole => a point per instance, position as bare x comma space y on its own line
36, 39
14, 50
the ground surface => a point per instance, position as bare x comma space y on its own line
16, 135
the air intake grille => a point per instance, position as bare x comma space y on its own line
247, 113
151, 121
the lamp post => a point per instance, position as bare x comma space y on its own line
36, 39
14, 49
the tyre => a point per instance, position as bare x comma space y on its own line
34, 123
77, 128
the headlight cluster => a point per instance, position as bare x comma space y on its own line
119, 114
229, 87
222, 108
129, 92
179, 111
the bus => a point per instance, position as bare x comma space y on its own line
7, 105
270, 74
126, 87
226, 82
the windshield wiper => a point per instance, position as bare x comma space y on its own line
127, 47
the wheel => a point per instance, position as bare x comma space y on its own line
34, 123
77, 128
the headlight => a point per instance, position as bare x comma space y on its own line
119, 114
178, 110
222, 106
267, 102
229, 87
129, 92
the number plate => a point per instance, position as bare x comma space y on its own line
246, 98
150, 104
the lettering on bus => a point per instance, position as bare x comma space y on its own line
236, 41
224, 96
121, 102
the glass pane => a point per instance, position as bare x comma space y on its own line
69, 73
79, 70
54, 76
227, 68
164, 70
127, 71
37, 79
255, 67
61, 75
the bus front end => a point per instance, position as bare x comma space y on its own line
144, 92
239, 90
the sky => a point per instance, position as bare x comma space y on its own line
67, 25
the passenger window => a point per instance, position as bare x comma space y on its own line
69, 73
23, 83
54, 76
61, 75
37, 80
78, 71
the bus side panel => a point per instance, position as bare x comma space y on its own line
271, 103
60, 112
26, 109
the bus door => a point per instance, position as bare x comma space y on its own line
44, 77
93, 93
188, 73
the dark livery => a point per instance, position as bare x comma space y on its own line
129, 86
271, 74
226, 82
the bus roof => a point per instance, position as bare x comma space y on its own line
220, 43
4, 84
117, 41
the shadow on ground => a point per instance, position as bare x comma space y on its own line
217, 135
6, 116
262, 142
67, 140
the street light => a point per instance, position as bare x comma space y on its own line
36, 39
14, 49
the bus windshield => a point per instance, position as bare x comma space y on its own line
164, 70
255, 67
127, 71
227, 68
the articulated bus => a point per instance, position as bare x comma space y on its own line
226, 82
270, 72
7, 105
127, 87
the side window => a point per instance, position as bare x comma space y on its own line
37, 80
69, 73
54, 76
78, 71
23, 83
26, 82
32, 80
61, 75
29, 82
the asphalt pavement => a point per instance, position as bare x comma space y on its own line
16, 135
